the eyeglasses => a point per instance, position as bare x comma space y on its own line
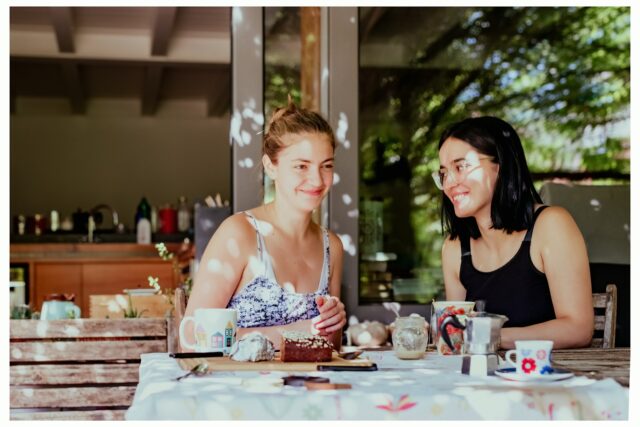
461, 168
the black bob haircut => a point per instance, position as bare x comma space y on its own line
514, 195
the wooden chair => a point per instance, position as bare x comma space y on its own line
179, 308
607, 322
82, 369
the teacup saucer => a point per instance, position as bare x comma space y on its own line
555, 375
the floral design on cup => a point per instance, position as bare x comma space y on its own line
528, 365
532, 357
444, 309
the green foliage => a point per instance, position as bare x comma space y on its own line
131, 312
280, 83
21, 311
560, 76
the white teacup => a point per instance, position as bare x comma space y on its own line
215, 330
533, 357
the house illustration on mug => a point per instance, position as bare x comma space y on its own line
201, 334
228, 334
216, 340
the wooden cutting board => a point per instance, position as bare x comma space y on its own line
227, 364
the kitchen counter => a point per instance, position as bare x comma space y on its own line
86, 269
25, 252
99, 236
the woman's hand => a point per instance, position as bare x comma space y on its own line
332, 315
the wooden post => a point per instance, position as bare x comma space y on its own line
310, 73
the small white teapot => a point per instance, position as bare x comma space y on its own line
59, 307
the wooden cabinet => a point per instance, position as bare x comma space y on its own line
114, 277
55, 278
91, 269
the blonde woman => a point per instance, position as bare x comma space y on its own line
272, 263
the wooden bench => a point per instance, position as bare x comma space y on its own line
82, 369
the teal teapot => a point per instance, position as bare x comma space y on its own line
59, 306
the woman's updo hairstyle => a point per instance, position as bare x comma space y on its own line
292, 120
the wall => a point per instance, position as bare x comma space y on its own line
64, 162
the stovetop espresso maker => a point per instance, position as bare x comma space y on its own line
481, 340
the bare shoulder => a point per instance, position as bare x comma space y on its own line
554, 220
451, 249
239, 227
335, 244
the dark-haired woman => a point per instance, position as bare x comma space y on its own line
526, 260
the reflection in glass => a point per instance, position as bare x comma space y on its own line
282, 65
556, 74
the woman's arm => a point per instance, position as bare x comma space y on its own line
221, 266
451, 254
559, 245
332, 313
227, 255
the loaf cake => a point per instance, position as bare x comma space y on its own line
302, 347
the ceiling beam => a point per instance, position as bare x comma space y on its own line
162, 29
151, 89
62, 20
123, 62
71, 76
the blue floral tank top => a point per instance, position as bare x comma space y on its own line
263, 302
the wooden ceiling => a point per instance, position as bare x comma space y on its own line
85, 55
79, 60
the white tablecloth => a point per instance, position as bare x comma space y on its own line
430, 388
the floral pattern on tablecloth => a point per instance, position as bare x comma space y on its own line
431, 388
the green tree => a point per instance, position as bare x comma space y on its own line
556, 74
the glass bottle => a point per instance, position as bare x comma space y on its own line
184, 215
143, 210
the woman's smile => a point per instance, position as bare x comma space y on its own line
313, 193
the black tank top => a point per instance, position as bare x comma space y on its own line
517, 290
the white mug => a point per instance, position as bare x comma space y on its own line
215, 330
533, 357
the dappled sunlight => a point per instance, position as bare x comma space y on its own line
27, 392
234, 128
41, 329
341, 131
595, 204
288, 287
486, 404
122, 302
39, 352
265, 228
336, 178
60, 345
237, 16
246, 163
346, 199
353, 213
71, 331
255, 266
214, 266
348, 244
233, 248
